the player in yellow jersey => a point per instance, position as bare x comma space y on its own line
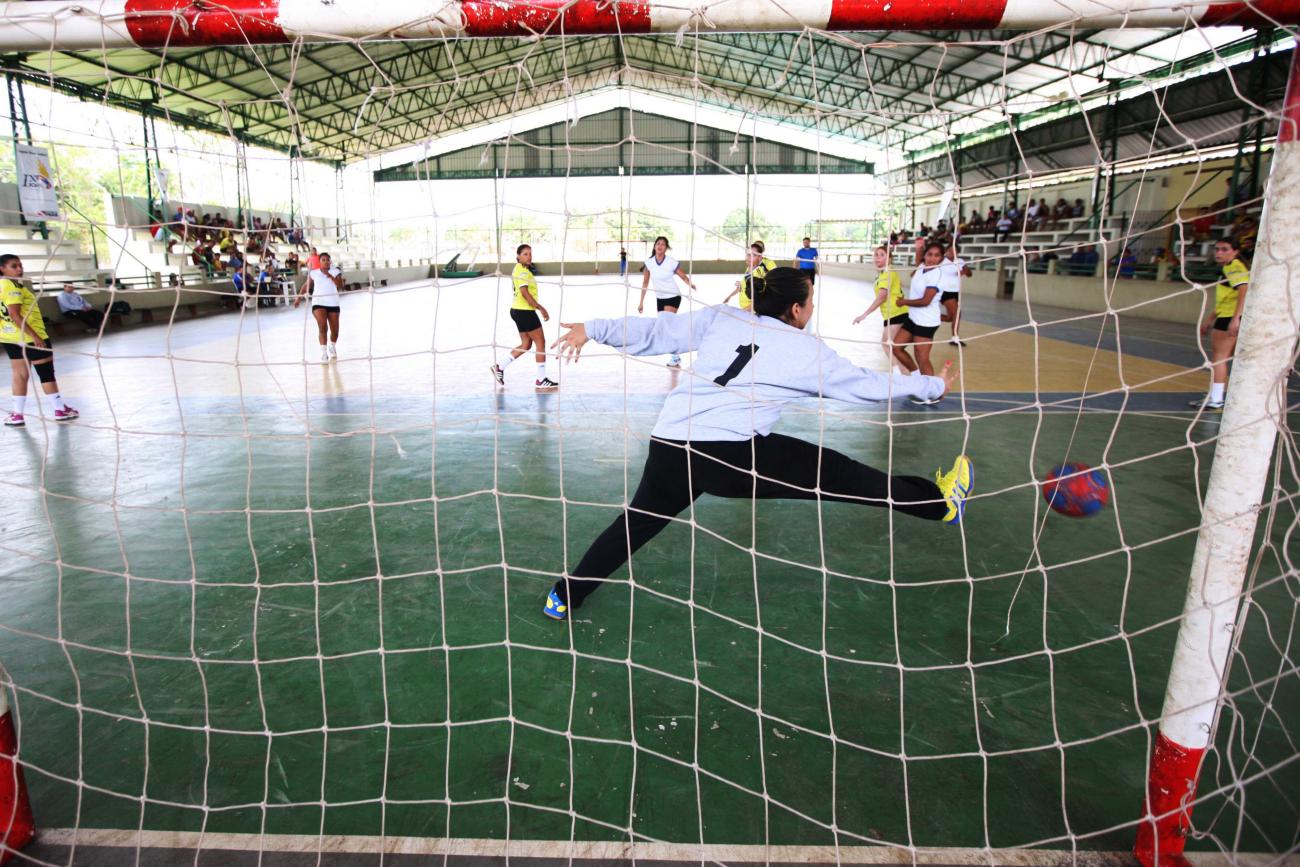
889, 292
22, 331
756, 267
1225, 319
523, 310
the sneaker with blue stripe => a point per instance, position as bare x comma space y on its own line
956, 486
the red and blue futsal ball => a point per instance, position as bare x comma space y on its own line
1076, 490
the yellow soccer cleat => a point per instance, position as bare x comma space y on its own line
956, 486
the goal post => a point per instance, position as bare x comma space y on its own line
1254, 411
35, 25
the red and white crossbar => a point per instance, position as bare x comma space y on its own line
40, 25
1255, 409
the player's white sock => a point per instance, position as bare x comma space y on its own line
505, 361
1216, 391
20, 402
57, 400
541, 371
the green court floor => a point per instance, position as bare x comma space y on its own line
229, 629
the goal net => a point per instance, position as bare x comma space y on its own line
279, 590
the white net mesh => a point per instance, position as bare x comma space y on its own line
261, 607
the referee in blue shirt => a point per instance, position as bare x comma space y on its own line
805, 258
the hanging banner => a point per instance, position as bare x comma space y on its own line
161, 176
36, 192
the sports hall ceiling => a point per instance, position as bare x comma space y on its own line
342, 101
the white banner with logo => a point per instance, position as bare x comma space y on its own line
36, 192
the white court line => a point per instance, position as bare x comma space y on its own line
606, 851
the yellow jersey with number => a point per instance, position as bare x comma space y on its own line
1235, 275
13, 332
523, 278
892, 284
760, 270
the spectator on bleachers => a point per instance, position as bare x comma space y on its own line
1060, 213
159, 232
1126, 262
313, 261
1003, 228
1083, 261
1033, 215
1244, 228
1164, 257
266, 284
291, 263
1077, 210
245, 292
73, 306
296, 237
201, 257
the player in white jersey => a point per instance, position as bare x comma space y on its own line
923, 317
951, 270
661, 270
714, 433
325, 283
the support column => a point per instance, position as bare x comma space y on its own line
1255, 409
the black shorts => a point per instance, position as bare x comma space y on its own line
919, 330
1220, 324
34, 353
949, 296
526, 320
897, 319
326, 307
661, 303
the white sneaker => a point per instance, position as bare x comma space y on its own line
675, 361
333, 350
324, 355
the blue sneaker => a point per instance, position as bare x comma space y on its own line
956, 486
555, 609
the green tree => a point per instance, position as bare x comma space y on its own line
640, 227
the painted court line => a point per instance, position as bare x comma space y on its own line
605, 851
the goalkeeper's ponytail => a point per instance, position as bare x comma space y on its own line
779, 290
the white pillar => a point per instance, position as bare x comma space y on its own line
1255, 410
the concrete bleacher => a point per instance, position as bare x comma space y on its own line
137, 257
48, 257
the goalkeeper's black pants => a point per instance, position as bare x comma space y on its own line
772, 467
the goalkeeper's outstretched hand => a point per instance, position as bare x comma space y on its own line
570, 343
948, 375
